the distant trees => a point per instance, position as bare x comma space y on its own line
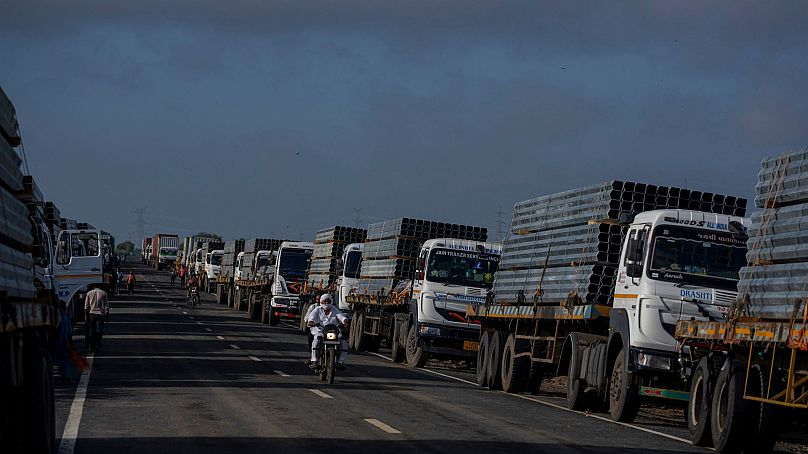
127, 247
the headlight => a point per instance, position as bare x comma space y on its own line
653, 361
331, 336
429, 331
280, 302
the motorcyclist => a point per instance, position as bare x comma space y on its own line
193, 282
326, 314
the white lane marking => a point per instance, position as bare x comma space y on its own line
380, 425
320, 393
191, 317
185, 312
550, 404
208, 330
282, 373
220, 338
71, 432
235, 347
199, 323
254, 358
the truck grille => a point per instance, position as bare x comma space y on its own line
474, 291
725, 298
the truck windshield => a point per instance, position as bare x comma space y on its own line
453, 267
353, 263
706, 257
294, 263
216, 259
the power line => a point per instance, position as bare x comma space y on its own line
140, 221
357, 219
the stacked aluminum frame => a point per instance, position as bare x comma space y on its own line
16, 239
329, 244
252, 246
774, 286
392, 248
565, 247
231, 251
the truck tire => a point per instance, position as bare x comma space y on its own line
256, 303
265, 311
624, 394
361, 340
482, 359
514, 369
397, 350
37, 403
219, 295
534, 377
698, 406
494, 363
575, 387
237, 298
352, 332
766, 419
416, 356
730, 420
273, 319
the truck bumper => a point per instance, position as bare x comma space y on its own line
449, 340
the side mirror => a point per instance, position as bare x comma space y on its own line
635, 253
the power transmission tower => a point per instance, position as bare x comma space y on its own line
140, 221
500, 224
357, 219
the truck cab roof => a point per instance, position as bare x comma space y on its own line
464, 245
297, 245
701, 219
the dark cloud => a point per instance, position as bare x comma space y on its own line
259, 117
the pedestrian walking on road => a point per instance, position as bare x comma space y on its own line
96, 311
130, 282
183, 272
173, 274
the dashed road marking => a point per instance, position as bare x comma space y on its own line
254, 358
220, 338
282, 373
71, 432
191, 317
380, 425
185, 312
235, 347
317, 392
208, 330
199, 323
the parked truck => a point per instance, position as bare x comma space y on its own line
190, 246
748, 373
212, 254
417, 278
253, 270
41, 264
164, 249
226, 278
591, 285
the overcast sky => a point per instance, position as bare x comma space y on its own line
277, 118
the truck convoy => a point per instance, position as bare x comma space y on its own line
40, 265
164, 250
417, 278
211, 254
592, 283
146, 250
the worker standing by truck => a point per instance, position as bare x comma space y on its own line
130, 282
96, 308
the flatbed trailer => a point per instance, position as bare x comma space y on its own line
744, 375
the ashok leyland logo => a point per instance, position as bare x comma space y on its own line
697, 294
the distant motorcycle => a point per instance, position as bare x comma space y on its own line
328, 350
193, 298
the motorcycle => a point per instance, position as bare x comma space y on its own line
328, 350
193, 298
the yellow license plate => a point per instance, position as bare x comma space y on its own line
471, 345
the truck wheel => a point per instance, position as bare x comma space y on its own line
361, 340
575, 387
698, 406
767, 419
416, 357
494, 363
38, 405
352, 332
397, 350
219, 295
482, 359
730, 413
256, 303
624, 395
534, 377
273, 319
514, 369
264, 311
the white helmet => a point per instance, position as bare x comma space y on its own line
325, 298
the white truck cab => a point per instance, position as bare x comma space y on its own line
291, 265
199, 261
77, 263
238, 271
264, 266
348, 273
450, 275
213, 266
675, 265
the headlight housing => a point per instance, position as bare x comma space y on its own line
331, 336
429, 330
653, 361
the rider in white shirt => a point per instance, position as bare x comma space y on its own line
326, 314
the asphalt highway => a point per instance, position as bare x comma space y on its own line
177, 380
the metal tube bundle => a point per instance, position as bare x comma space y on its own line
329, 244
231, 251
392, 248
775, 284
565, 247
